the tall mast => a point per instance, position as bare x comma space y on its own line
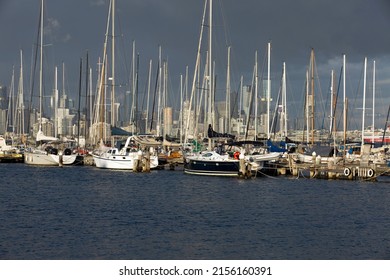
79, 106
197, 69
345, 104
373, 103
158, 126
132, 112
20, 98
268, 91
86, 126
256, 93
284, 102
312, 116
211, 85
332, 100
113, 120
181, 109
41, 71
364, 98
147, 103
227, 105
55, 102
307, 106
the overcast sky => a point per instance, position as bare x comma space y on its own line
357, 28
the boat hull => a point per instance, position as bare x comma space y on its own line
212, 168
120, 162
44, 159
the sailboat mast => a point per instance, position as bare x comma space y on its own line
148, 98
364, 98
227, 105
181, 109
345, 104
331, 103
132, 112
256, 93
55, 102
312, 118
210, 59
41, 70
20, 98
373, 103
100, 114
332, 128
210, 74
268, 91
284, 101
158, 127
307, 106
79, 106
113, 120
196, 70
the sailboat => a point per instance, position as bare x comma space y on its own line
112, 157
125, 158
47, 152
210, 162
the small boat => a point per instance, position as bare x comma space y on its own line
125, 158
50, 153
49, 156
211, 163
10, 153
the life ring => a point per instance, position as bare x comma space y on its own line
347, 171
370, 173
236, 155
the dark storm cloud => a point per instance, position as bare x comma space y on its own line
333, 27
356, 27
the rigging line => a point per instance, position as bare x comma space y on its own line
326, 105
154, 97
275, 116
33, 71
266, 175
320, 92
122, 44
144, 94
228, 40
250, 103
337, 97
384, 130
351, 117
235, 102
356, 96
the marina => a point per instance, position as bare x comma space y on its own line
194, 130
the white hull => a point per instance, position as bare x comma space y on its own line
124, 162
257, 161
41, 158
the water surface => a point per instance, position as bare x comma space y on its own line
78, 212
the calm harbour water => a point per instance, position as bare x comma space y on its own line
82, 212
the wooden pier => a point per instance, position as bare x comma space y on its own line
330, 170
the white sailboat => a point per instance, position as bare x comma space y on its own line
112, 157
125, 158
46, 153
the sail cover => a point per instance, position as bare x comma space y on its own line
213, 134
